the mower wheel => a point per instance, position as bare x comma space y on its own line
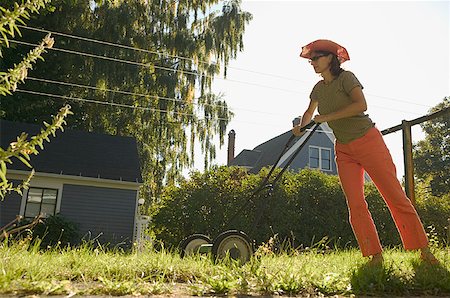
233, 243
191, 244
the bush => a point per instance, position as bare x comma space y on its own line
304, 208
54, 231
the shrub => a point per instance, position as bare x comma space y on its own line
304, 208
54, 231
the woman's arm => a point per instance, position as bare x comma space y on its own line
357, 106
306, 118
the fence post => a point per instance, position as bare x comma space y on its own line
408, 160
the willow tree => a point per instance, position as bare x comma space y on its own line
151, 78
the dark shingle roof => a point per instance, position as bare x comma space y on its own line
78, 153
247, 158
269, 151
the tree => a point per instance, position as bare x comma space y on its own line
23, 148
432, 155
155, 84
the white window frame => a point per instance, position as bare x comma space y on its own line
46, 184
320, 158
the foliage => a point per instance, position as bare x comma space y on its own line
434, 212
9, 18
171, 51
306, 208
8, 28
432, 154
22, 148
55, 231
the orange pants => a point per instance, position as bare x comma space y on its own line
370, 153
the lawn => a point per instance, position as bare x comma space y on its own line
85, 270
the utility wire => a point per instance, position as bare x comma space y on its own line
173, 99
400, 100
105, 103
119, 105
148, 65
152, 52
200, 61
141, 95
151, 65
138, 108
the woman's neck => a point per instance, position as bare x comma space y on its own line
327, 76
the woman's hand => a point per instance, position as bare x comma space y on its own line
296, 131
320, 118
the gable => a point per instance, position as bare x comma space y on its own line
270, 150
78, 153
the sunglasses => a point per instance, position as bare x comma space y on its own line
315, 58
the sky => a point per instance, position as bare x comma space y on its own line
399, 50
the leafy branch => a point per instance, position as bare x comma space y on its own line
22, 148
9, 18
10, 79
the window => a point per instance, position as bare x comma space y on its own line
320, 158
40, 201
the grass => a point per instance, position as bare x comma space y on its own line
24, 270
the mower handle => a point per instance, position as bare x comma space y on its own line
309, 125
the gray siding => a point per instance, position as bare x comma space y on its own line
100, 211
10, 206
319, 139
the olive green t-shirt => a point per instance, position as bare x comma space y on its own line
336, 95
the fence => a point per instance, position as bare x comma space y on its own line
405, 126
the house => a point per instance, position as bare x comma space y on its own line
90, 179
318, 153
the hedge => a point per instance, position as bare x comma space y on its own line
305, 208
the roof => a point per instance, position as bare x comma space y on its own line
269, 151
272, 149
247, 158
78, 153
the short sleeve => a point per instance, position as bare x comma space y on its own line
349, 81
314, 93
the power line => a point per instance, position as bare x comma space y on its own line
119, 105
147, 65
135, 107
200, 61
152, 52
400, 100
117, 91
392, 110
172, 99
101, 57
106, 103
139, 94
151, 65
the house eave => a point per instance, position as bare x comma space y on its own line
80, 180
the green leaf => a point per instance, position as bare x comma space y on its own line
24, 161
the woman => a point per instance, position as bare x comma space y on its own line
359, 147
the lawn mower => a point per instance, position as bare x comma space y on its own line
235, 243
